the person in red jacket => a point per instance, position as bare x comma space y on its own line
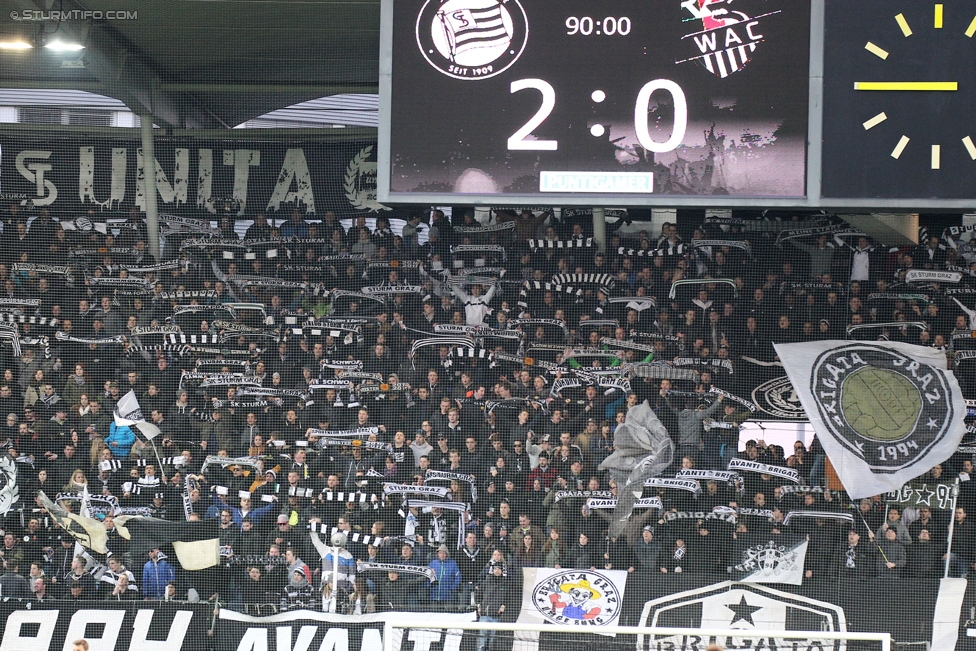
544, 472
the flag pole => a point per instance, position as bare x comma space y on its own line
871, 533
335, 578
158, 460
952, 524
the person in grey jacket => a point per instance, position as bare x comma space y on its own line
691, 429
894, 522
892, 556
821, 254
12, 584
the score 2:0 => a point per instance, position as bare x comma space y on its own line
609, 26
517, 141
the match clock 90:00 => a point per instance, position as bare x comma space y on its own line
503, 97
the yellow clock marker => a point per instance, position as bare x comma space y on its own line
972, 28
876, 51
970, 147
906, 85
875, 121
900, 147
935, 151
903, 24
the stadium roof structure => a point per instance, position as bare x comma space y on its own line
196, 64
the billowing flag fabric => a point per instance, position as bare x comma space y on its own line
885, 412
127, 410
9, 491
88, 532
474, 27
196, 544
776, 560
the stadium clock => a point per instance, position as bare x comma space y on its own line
489, 98
899, 90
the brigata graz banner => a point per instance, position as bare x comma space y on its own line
309, 629
108, 626
911, 610
71, 174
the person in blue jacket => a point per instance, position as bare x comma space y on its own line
120, 440
448, 578
156, 573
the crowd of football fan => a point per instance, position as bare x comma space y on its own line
248, 350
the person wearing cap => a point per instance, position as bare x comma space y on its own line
156, 573
410, 233
158, 509
285, 535
447, 579
924, 555
77, 590
494, 596
647, 550
420, 446
440, 456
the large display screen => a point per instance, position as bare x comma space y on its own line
567, 100
899, 95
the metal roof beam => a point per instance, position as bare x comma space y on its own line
323, 90
127, 76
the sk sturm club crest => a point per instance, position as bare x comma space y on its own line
778, 398
573, 597
723, 39
884, 412
472, 39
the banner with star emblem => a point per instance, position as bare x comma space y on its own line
757, 610
777, 560
885, 412
916, 494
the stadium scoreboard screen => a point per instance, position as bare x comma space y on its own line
679, 102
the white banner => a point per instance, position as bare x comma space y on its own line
572, 597
884, 412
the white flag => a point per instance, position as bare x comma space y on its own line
127, 410
9, 491
772, 561
885, 412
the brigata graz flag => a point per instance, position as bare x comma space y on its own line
572, 597
885, 412
773, 560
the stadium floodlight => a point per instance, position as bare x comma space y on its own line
61, 46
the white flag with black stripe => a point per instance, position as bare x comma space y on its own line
885, 412
775, 560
